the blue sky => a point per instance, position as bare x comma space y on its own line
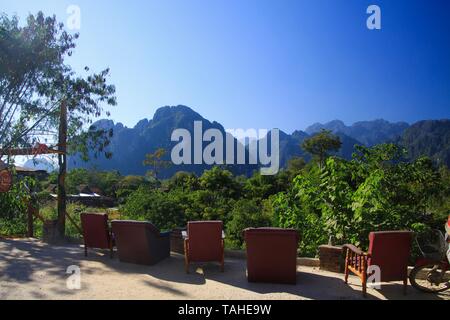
266, 64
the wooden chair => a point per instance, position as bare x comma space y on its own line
389, 250
204, 242
96, 232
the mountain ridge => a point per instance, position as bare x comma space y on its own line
367, 132
129, 145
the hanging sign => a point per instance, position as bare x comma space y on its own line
5, 180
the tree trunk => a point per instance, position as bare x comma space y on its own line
62, 145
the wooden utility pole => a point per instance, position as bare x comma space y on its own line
62, 146
30, 220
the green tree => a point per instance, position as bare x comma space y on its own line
75, 178
14, 208
321, 144
160, 208
246, 213
221, 182
186, 181
299, 207
376, 190
296, 164
127, 185
35, 81
156, 162
262, 186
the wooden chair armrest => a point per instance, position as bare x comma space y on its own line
356, 262
355, 250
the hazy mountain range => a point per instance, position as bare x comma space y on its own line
129, 145
368, 133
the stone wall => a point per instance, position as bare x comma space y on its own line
331, 258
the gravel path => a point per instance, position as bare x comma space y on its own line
30, 269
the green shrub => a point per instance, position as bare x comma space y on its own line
246, 213
155, 206
377, 190
14, 208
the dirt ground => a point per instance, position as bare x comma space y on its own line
30, 269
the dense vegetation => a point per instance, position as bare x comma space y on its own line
13, 209
430, 138
343, 199
375, 190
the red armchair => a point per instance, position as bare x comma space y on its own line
271, 255
96, 232
204, 242
140, 242
389, 250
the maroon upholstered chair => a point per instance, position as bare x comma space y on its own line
271, 255
204, 242
96, 232
389, 250
140, 242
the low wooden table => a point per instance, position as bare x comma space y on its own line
177, 241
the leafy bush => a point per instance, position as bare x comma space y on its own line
246, 213
49, 212
14, 208
300, 208
377, 190
127, 185
107, 181
155, 206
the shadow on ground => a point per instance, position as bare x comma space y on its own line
25, 261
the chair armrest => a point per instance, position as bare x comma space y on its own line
355, 249
356, 260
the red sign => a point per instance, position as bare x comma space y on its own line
5, 180
40, 148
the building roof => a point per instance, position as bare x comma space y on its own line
29, 171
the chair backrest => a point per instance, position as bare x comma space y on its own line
271, 254
95, 230
281, 243
205, 240
133, 240
271, 233
390, 250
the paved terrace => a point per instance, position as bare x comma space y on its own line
30, 269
